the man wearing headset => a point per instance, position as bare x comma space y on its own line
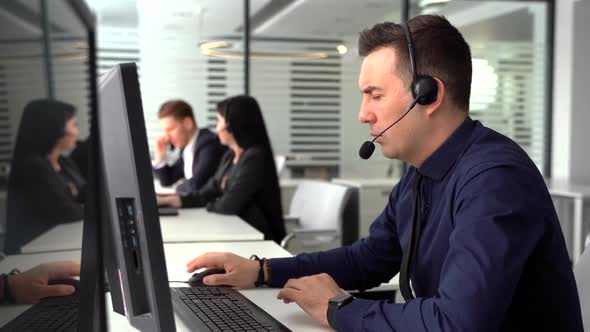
471, 223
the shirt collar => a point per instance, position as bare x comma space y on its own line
437, 165
191, 145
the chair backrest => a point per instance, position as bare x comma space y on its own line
582, 273
319, 204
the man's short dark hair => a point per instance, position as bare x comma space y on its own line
178, 109
439, 50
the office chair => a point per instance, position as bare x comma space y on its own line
316, 209
582, 274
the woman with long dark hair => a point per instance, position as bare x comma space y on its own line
246, 182
45, 188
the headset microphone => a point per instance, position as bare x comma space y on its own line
368, 147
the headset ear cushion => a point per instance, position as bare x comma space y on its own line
425, 89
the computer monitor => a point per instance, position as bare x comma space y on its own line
47, 51
134, 256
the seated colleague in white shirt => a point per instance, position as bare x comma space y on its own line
201, 149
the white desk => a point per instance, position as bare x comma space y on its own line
578, 193
177, 255
191, 225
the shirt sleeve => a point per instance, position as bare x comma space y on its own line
366, 264
200, 198
167, 174
205, 167
497, 225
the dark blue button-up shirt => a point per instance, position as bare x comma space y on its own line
491, 257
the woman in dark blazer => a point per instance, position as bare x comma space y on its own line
246, 182
45, 188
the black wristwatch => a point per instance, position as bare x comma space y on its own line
336, 303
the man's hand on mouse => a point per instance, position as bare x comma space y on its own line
32, 285
239, 271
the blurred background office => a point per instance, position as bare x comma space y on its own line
299, 59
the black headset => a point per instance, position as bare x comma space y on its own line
424, 87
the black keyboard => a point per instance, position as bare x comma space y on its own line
221, 309
50, 314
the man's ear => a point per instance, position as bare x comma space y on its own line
440, 96
188, 123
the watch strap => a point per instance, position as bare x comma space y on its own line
260, 282
336, 303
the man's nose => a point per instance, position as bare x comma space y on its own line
366, 115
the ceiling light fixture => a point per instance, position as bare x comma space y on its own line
275, 18
428, 3
216, 49
341, 49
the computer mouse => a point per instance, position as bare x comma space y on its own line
197, 279
71, 282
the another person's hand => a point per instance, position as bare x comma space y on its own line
239, 271
161, 146
32, 285
172, 200
311, 294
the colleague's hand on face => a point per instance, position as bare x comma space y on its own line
239, 271
172, 200
311, 294
32, 285
161, 146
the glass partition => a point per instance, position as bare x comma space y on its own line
510, 45
44, 116
305, 68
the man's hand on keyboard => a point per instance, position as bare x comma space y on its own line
312, 294
32, 285
239, 271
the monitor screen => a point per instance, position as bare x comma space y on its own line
135, 256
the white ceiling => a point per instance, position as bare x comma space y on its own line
332, 18
323, 18
326, 19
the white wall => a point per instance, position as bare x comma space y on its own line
580, 152
570, 155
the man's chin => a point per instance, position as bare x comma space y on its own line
388, 153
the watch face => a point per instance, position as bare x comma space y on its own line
340, 299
